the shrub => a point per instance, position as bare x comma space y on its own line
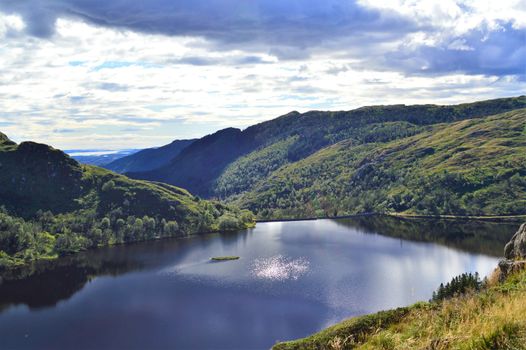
108, 186
69, 243
228, 223
170, 228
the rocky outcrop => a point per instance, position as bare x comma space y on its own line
507, 267
514, 253
516, 247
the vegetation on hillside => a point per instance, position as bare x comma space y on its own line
51, 205
227, 163
471, 167
459, 285
215, 166
493, 318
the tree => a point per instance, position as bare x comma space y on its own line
228, 223
170, 228
457, 286
105, 223
108, 186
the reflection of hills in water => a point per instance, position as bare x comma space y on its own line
48, 282
45, 283
475, 236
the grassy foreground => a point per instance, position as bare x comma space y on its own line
494, 318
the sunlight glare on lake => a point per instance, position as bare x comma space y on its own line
279, 268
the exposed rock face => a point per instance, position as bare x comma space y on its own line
507, 267
514, 253
516, 247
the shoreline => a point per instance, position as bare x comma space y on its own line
495, 218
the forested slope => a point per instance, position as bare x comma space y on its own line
232, 161
475, 166
51, 205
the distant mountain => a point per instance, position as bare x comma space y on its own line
231, 162
148, 159
199, 164
99, 157
51, 205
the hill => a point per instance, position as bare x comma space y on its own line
147, 159
199, 164
244, 166
52, 205
472, 167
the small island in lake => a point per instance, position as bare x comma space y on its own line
224, 258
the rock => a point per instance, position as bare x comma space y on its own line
516, 247
508, 267
514, 254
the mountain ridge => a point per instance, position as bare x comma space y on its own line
294, 136
148, 159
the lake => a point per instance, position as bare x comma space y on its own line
292, 279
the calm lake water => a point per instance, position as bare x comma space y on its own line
293, 279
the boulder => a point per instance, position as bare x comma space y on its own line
507, 267
514, 254
516, 247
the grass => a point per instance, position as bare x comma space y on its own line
494, 318
224, 258
349, 332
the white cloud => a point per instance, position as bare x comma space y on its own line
97, 87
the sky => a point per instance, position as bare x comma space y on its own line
116, 74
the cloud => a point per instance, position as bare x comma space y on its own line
161, 70
460, 35
482, 51
219, 60
229, 21
111, 87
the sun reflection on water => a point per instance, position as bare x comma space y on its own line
279, 268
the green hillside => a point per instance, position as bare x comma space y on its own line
52, 205
232, 161
471, 167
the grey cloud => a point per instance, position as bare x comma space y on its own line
64, 131
499, 52
279, 24
77, 99
290, 30
212, 61
335, 70
113, 87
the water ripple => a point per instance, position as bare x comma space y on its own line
279, 268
